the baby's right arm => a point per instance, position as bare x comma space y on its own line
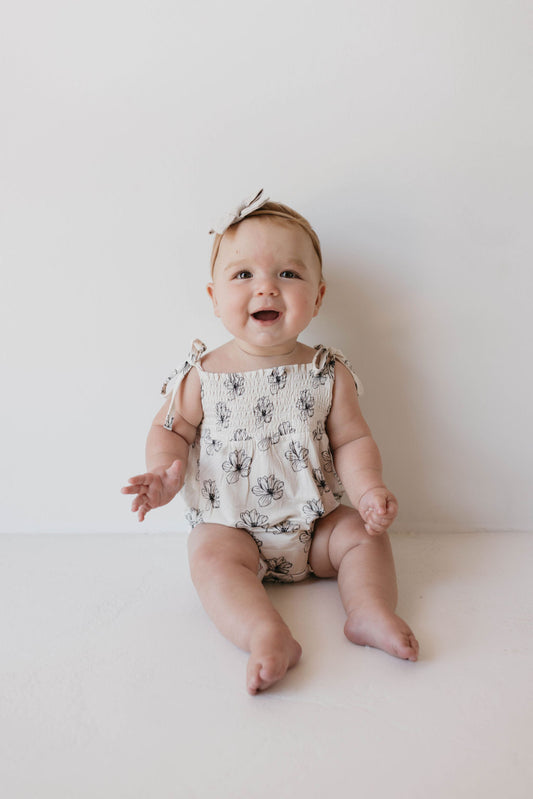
167, 450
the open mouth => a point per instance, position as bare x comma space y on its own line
266, 316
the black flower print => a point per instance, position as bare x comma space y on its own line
305, 538
234, 385
277, 379
268, 441
326, 373
327, 460
297, 455
306, 405
241, 435
237, 465
268, 489
194, 517
313, 509
318, 379
329, 466
285, 429
285, 527
252, 519
223, 415
211, 444
211, 493
263, 411
279, 568
320, 481
319, 431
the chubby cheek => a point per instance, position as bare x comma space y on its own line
303, 307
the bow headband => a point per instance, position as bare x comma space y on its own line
241, 211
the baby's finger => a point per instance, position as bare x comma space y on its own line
392, 503
143, 510
380, 506
132, 489
139, 500
373, 529
141, 479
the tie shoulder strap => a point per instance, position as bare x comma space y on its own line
194, 357
324, 365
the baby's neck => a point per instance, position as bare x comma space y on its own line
242, 351
233, 357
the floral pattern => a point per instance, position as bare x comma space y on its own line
278, 566
252, 519
286, 429
234, 385
194, 517
306, 405
297, 455
320, 481
263, 459
319, 431
268, 441
241, 434
305, 538
313, 509
263, 411
285, 527
237, 465
211, 493
212, 445
223, 415
277, 379
268, 489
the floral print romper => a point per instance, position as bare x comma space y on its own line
261, 459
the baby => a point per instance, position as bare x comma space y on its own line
264, 434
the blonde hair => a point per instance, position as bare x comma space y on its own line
275, 210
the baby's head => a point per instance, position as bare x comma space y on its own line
267, 280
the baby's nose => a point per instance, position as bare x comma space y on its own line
268, 287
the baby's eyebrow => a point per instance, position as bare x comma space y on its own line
235, 264
297, 262
286, 262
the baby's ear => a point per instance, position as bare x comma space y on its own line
319, 297
211, 291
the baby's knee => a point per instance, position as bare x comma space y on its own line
213, 546
349, 533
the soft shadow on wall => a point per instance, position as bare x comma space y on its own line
365, 319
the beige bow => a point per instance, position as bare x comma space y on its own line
242, 210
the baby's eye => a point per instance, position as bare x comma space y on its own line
243, 274
288, 273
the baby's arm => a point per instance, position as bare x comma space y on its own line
167, 450
356, 456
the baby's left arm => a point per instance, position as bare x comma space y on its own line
356, 456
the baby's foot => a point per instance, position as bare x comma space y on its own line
380, 627
273, 652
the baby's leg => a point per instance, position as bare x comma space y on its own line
224, 563
365, 571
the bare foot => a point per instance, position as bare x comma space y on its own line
381, 627
273, 652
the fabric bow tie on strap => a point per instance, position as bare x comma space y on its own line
197, 350
241, 211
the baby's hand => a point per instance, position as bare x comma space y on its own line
378, 509
154, 488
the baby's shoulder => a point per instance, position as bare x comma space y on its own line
220, 359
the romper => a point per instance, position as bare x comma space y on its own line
261, 459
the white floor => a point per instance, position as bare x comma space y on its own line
114, 684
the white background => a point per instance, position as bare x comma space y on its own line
402, 130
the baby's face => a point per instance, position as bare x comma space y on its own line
267, 284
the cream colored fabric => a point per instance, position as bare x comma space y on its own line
261, 460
